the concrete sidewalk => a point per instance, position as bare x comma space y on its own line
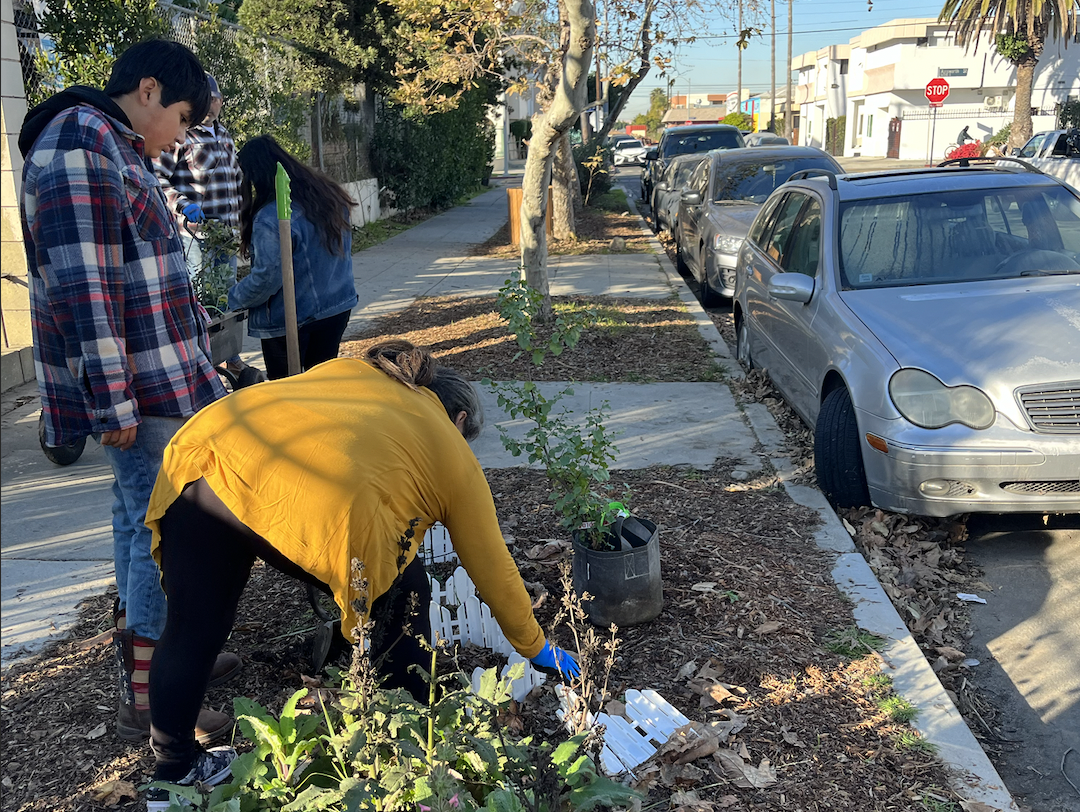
54, 523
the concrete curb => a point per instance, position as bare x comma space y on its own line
938, 722
17, 368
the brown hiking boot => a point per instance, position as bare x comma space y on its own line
133, 655
133, 725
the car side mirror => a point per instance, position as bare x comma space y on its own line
652, 154
691, 198
662, 186
792, 287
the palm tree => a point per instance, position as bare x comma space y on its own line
1018, 30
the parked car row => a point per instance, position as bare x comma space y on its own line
721, 199
924, 323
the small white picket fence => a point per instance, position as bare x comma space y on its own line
631, 740
458, 615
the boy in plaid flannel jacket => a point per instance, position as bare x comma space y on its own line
120, 343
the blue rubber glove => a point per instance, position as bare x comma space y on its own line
552, 660
193, 212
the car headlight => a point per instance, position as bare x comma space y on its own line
925, 401
726, 245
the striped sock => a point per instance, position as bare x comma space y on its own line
140, 676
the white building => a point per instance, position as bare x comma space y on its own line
820, 93
878, 83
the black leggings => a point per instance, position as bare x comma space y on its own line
319, 341
206, 561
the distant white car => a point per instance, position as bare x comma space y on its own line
629, 151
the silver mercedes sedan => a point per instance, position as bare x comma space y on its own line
926, 325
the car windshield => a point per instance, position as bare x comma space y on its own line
702, 142
628, 143
959, 236
754, 179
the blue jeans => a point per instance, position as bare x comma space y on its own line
138, 579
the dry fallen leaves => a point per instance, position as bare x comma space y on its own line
744, 774
111, 793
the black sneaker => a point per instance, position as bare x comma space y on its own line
211, 768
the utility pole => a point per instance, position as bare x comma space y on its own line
739, 45
772, 68
789, 115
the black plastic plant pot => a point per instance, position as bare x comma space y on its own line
624, 583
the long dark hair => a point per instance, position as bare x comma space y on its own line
324, 202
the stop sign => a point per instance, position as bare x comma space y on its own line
937, 90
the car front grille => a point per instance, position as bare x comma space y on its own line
1042, 488
1054, 409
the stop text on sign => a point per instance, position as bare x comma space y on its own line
937, 90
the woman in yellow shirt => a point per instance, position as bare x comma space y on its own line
311, 473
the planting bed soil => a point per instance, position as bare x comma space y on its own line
753, 635
596, 231
749, 608
638, 340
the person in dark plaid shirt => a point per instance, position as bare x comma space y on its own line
120, 343
201, 180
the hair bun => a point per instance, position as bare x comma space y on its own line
404, 362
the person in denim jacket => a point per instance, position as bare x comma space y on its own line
322, 257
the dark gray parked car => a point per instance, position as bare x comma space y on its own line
722, 199
668, 192
684, 140
926, 323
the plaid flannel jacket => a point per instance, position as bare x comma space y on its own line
204, 171
117, 330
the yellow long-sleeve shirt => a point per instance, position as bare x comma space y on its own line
332, 465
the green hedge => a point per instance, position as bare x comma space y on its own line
433, 160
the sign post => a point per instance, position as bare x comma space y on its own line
937, 90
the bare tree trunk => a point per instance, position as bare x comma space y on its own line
569, 99
563, 180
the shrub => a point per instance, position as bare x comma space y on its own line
740, 120
432, 160
593, 168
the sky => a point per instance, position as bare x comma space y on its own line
710, 65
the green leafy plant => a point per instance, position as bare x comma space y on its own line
1012, 47
853, 642
214, 276
358, 747
1002, 135
910, 740
738, 119
425, 160
898, 709
575, 457
86, 36
593, 168
1069, 114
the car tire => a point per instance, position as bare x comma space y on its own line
742, 345
838, 460
60, 454
680, 260
709, 297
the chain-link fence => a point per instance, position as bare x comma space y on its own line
330, 130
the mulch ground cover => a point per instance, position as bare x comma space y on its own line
754, 638
627, 340
598, 232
